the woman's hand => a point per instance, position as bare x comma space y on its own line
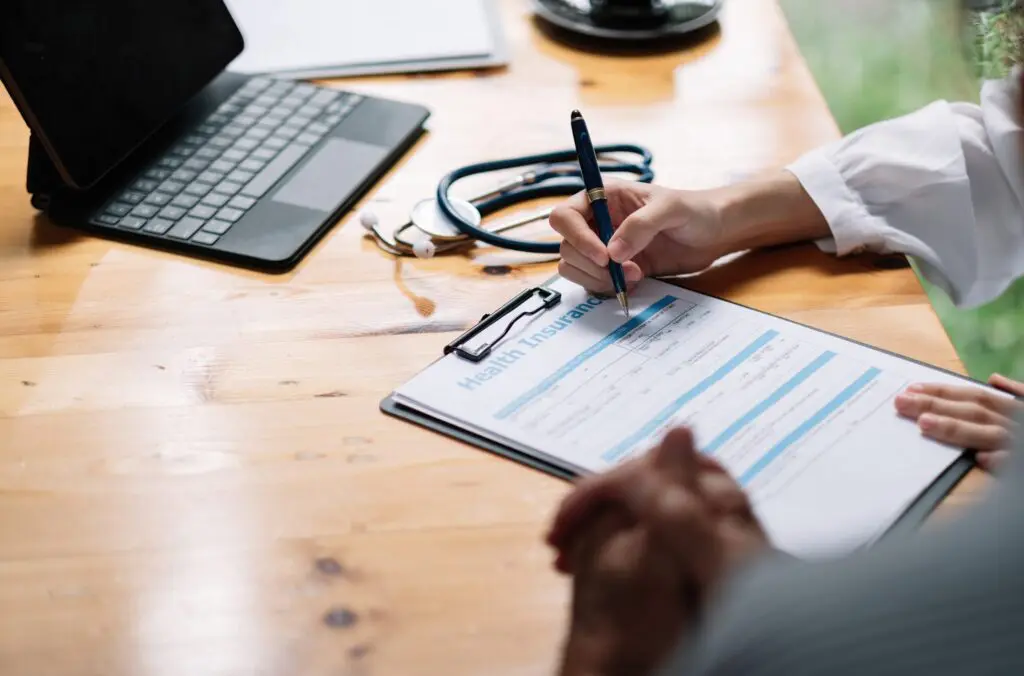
659, 231
968, 417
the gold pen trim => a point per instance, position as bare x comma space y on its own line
596, 194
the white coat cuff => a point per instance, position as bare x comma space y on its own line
841, 208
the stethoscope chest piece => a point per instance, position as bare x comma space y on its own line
428, 217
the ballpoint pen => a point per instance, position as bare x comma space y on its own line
598, 200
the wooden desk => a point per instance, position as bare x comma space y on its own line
194, 476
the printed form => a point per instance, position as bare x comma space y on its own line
803, 420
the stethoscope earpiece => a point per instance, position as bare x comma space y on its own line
368, 219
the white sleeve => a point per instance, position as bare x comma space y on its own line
944, 184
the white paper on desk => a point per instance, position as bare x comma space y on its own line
296, 35
804, 420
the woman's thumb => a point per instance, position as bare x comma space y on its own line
633, 235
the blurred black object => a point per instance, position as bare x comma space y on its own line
630, 21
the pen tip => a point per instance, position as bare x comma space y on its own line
576, 115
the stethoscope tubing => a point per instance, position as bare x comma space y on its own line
544, 183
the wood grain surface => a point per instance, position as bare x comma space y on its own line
194, 475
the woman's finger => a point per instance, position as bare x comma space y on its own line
569, 220
573, 257
993, 461
915, 405
1014, 387
603, 283
599, 285
979, 395
964, 434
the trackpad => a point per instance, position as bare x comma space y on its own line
331, 174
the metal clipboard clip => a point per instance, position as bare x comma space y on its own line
547, 299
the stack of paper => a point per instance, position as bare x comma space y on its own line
330, 38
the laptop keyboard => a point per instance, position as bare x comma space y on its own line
209, 179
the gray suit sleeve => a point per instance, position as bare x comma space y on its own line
948, 599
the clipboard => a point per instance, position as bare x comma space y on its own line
913, 516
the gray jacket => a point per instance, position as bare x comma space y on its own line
948, 599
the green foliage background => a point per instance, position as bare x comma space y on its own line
878, 59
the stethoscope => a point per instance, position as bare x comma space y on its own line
443, 223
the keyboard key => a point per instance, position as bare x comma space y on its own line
227, 187
257, 133
172, 213
252, 165
233, 131
207, 153
197, 189
185, 201
241, 202
300, 120
158, 199
268, 123
308, 138
336, 106
118, 209
318, 128
144, 185
256, 110
181, 151
229, 214
220, 141
171, 186
195, 164
262, 154
288, 131
106, 219
215, 199
185, 228
132, 196
208, 128
222, 166
217, 227
324, 96
279, 86
205, 237
158, 226
169, 162
144, 210
132, 222
332, 121
304, 91
245, 120
275, 143
276, 115
193, 140
246, 144
265, 100
222, 116
203, 211
273, 172
184, 175
240, 176
232, 155
256, 84
211, 177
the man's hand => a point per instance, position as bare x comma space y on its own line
654, 537
968, 417
629, 606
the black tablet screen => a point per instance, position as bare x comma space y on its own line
95, 79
